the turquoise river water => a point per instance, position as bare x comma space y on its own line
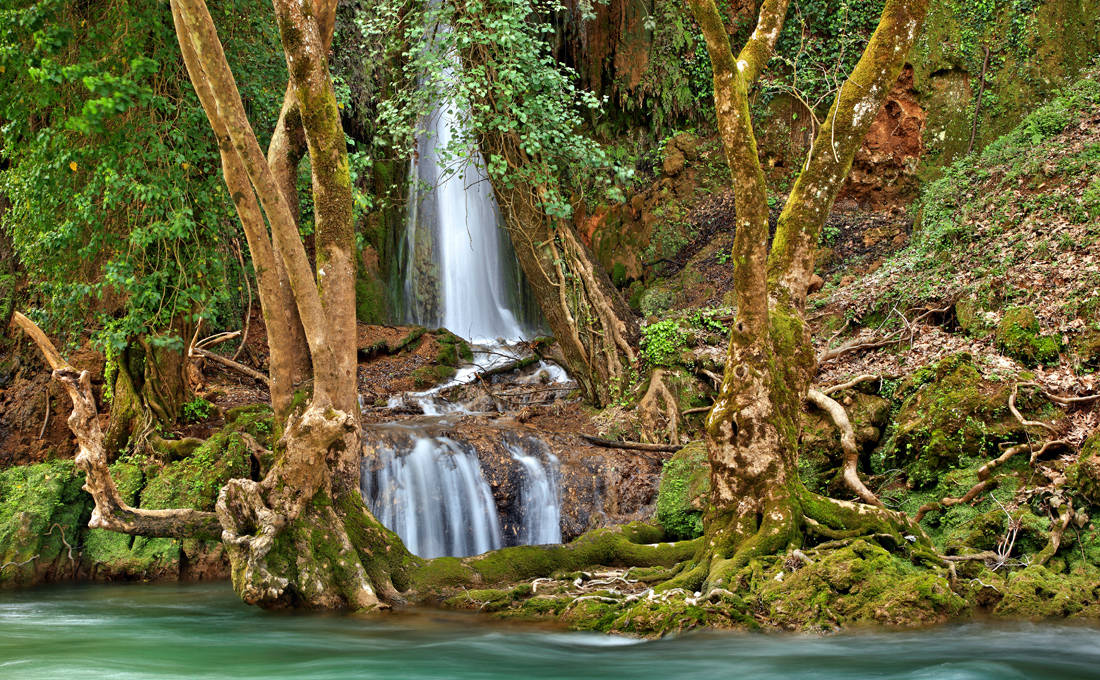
162, 632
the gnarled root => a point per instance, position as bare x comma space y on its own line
631, 545
850, 471
786, 525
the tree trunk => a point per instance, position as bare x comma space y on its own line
758, 503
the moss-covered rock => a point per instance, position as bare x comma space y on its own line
1038, 593
1084, 475
1085, 350
42, 507
948, 413
685, 485
858, 584
1018, 335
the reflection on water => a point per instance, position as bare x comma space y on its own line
200, 632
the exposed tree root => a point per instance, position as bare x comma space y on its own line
984, 472
786, 526
850, 471
650, 410
631, 545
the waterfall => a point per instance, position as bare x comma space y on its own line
540, 497
460, 271
431, 490
434, 497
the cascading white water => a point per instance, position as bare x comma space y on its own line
434, 497
430, 490
453, 214
540, 498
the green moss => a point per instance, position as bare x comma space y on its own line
38, 505
370, 300
948, 413
195, 481
1018, 336
857, 584
1084, 475
1039, 593
684, 487
427, 376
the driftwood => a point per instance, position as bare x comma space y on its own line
634, 446
111, 512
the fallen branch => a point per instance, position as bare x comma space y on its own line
850, 471
636, 446
858, 380
111, 512
229, 363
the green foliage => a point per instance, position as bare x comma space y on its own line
677, 82
118, 212
197, 410
663, 342
819, 46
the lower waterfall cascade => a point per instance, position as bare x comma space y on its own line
431, 491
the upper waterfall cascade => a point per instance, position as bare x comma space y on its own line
460, 270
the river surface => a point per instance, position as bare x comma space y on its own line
202, 631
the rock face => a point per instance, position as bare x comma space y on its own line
596, 487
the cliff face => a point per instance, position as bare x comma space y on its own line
972, 76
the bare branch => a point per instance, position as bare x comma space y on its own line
229, 363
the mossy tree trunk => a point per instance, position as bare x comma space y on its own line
758, 503
150, 388
289, 536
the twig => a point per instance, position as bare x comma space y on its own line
216, 339
229, 363
697, 409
